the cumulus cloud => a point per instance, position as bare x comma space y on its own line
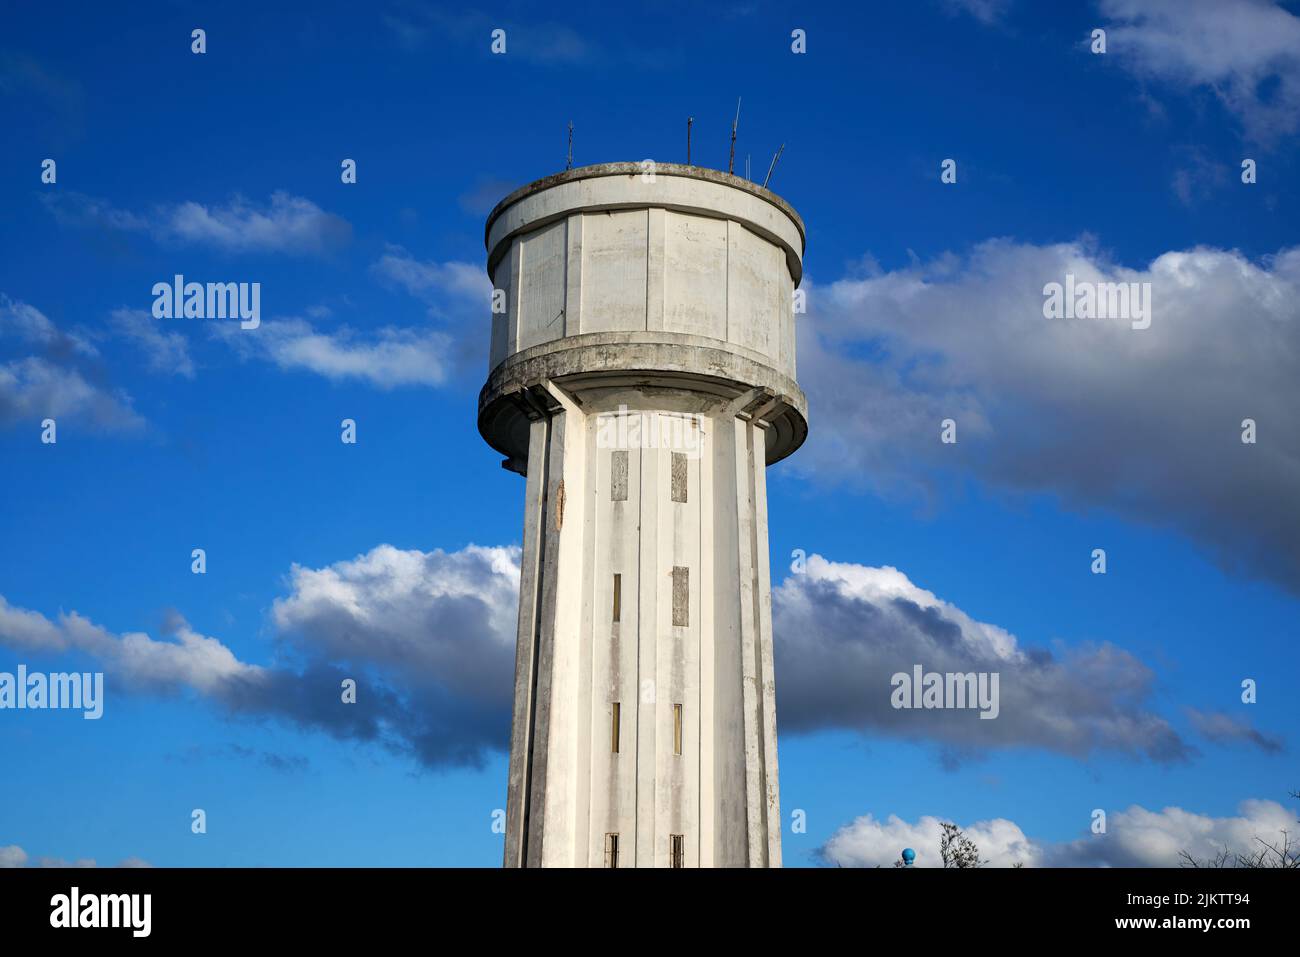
842, 630
285, 224
1144, 422
1135, 837
15, 856
428, 637
1138, 837
1247, 53
385, 358
12, 856
189, 659
435, 628
868, 842
448, 617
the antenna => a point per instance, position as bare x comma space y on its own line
569, 164
689, 121
731, 163
747, 176
773, 166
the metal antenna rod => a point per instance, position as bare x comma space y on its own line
773, 166
569, 163
689, 121
731, 162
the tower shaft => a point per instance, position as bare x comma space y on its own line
644, 700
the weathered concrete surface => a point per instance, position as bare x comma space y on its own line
664, 360
644, 699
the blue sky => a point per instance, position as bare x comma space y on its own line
924, 303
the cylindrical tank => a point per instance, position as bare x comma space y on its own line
677, 271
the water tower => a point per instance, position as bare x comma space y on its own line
642, 377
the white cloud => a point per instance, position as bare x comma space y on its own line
165, 352
286, 224
386, 358
59, 383
447, 287
15, 856
435, 633
189, 660
868, 842
428, 637
449, 615
33, 389
842, 630
1145, 422
1135, 837
1235, 49
457, 294
32, 326
71, 208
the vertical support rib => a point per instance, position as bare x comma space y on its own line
746, 520
519, 781
766, 676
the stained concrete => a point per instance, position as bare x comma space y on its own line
644, 699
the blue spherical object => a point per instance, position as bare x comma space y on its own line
909, 855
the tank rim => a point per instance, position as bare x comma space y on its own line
661, 169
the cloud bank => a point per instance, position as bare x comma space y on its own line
842, 630
1146, 423
1236, 50
284, 224
1135, 837
428, 638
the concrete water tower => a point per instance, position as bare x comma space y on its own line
642, 377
